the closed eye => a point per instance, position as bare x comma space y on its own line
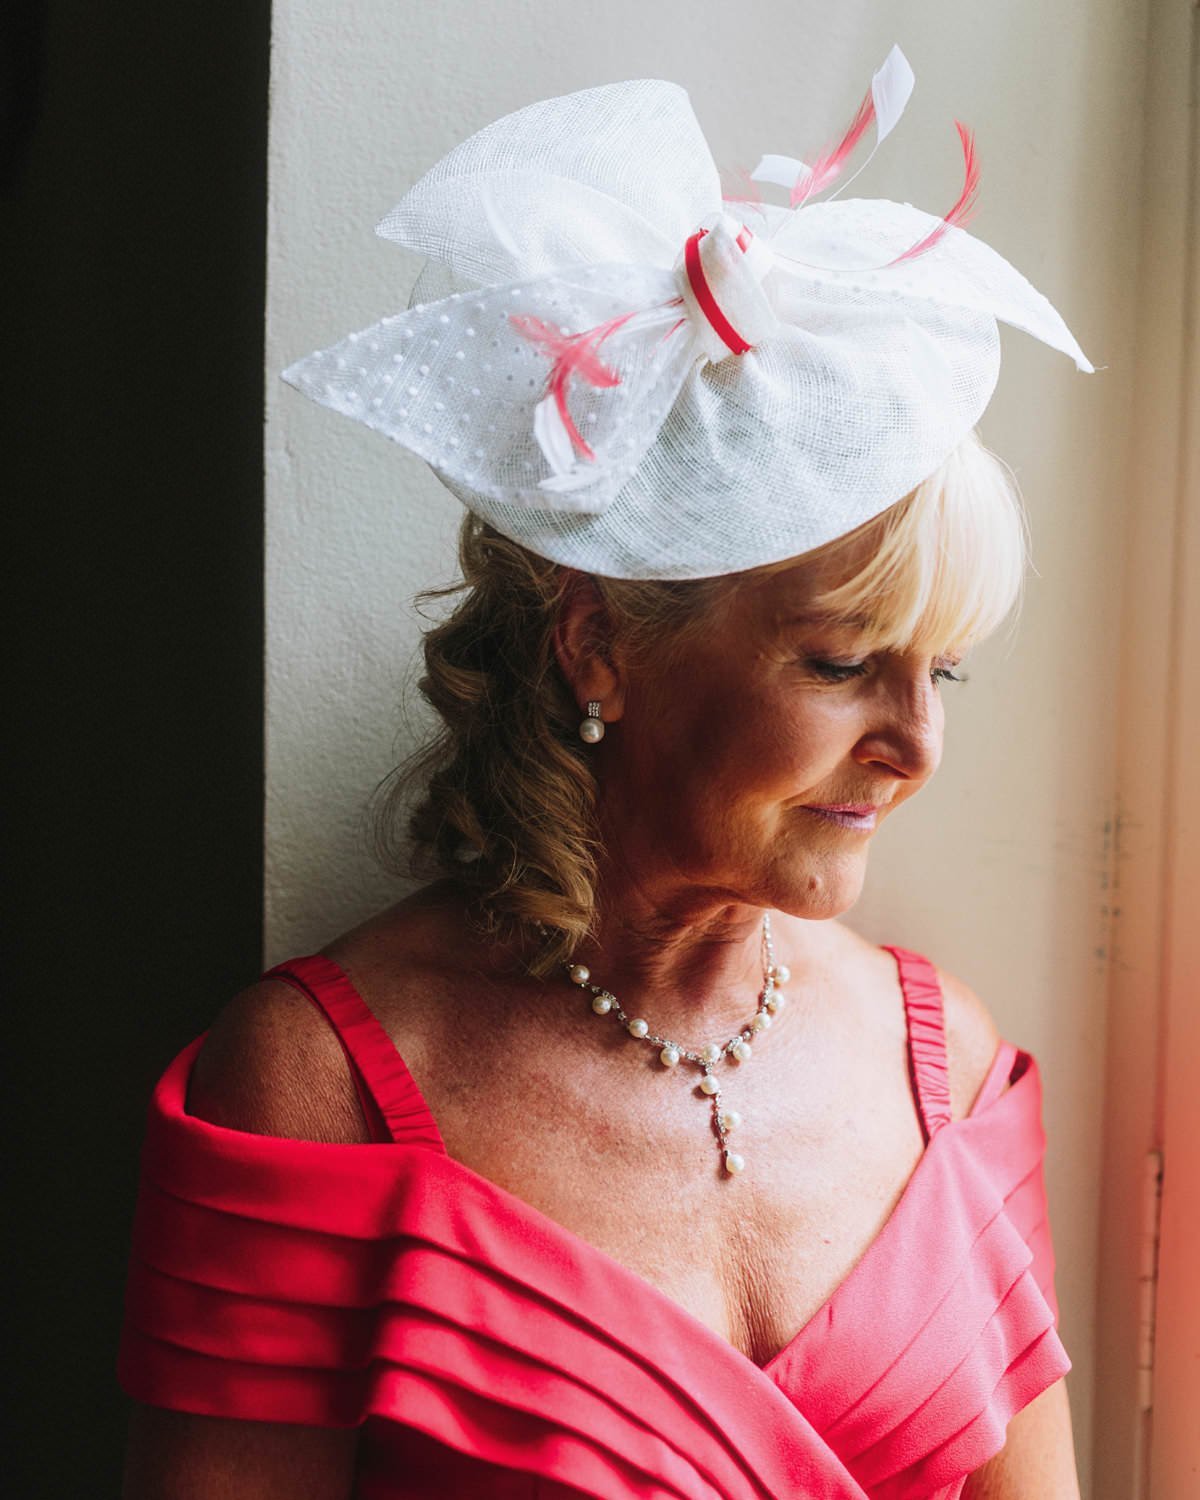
837, 671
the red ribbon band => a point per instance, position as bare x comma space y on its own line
702, 292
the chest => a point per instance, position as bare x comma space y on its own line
624, 1155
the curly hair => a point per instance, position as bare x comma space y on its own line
502, 797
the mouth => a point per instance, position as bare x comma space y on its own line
860, 815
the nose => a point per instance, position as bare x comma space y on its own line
906, 727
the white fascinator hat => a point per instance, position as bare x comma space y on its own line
629, 374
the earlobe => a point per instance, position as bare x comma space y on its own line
599, 690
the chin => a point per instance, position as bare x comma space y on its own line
820, 893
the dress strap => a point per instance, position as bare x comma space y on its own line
385, 1087
925, 1015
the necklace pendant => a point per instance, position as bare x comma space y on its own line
709, 1084
734, 1163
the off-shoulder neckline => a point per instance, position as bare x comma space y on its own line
985, 1104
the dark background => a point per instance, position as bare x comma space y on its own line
133, 200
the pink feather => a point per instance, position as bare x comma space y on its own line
965, 206
572, 354
827, 167
737, 186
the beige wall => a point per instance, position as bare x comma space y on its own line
1002, 870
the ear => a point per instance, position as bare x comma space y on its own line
584, 647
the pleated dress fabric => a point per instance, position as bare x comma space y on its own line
488, 1351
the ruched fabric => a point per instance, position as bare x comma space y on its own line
488, 1351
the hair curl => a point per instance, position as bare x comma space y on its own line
502, 797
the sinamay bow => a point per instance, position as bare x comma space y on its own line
636, 376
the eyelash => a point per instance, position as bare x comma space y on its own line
834, 671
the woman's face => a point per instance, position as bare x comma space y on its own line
712, 774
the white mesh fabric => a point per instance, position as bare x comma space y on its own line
620, 173
575, 211
958, 271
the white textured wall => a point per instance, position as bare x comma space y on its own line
1000, 869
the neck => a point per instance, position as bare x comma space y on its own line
691, 962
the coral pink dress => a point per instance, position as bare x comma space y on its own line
489, 1352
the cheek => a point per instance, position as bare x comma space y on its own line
770, 745
800, 730
694, 745
797, 738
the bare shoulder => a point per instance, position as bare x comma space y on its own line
972, 1035
272, 1065
419, 970
972, 1038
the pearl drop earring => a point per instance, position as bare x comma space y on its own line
592, 728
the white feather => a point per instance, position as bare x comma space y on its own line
552, 436
891, 89
783, 171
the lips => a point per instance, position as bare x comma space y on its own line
847, 814
858, 808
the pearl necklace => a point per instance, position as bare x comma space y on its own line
737, 1049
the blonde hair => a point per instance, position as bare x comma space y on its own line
502, 798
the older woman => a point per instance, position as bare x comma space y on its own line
611, 1162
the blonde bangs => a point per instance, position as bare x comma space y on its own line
944, 567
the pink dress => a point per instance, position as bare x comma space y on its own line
487, 1351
